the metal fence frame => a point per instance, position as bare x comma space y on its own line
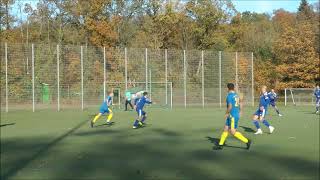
148, 80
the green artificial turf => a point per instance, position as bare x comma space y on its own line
176, 144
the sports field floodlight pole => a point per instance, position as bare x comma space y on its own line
81, 59
104, 73
146, 68
126, 67
220, 90
166, 73
32, 58
237, 70
252, 80
6, 59
185, 78
58, 78
202, 77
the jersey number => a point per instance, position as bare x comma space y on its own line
237, 102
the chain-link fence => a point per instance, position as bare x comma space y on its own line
37, 76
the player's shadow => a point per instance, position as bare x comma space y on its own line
8, 124
105, 125
215, 142
247, 129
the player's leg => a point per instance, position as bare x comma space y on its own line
234, 132
144, 117
126, 105
267, 124
317, 105
130, 104
110, 115
224, 134
137, 121
96, 118
273, 104
256, 123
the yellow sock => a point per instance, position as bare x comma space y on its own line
96, 118
109, 117
239, 136
223, 138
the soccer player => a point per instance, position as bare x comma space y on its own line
142, 115
232, 117
104, 108
128, 100
273, 98
262, 111
317, 94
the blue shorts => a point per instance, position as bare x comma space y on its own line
260, 113
232, 122
272, 103
105, 110
141, 112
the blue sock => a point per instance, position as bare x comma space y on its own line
256, 123
265, 122
143, 119
136, 122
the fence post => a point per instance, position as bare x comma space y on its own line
58, 78
185, 78
104, 73
150, 83
6, 59
126, 68
202, 77
237, 71
252, 79
171, 95
166, 73
220, 90
32, 58
81, 59
146, 68
285, 97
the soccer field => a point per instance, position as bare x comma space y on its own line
176, 144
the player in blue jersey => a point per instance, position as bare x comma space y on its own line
273, 98
105, 109
234, 106
260, 114
139, 104
317, 95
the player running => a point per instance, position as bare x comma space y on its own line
262, 111
234, 106
104, 108
273, 98
317, 94
139, 104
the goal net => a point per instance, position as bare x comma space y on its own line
299, 96
159, 92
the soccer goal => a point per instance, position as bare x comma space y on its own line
299, 96
159, 92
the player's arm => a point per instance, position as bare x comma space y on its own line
148, 101
229, 107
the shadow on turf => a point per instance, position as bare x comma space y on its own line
8, 124
215, 142
24, 162
247, 129
105, 124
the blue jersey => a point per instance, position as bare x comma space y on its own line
264, 101
141, 102
109, 100
317, 93
233, 99
272, 96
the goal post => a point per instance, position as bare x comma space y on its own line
299, 96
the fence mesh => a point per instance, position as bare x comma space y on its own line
68, 76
